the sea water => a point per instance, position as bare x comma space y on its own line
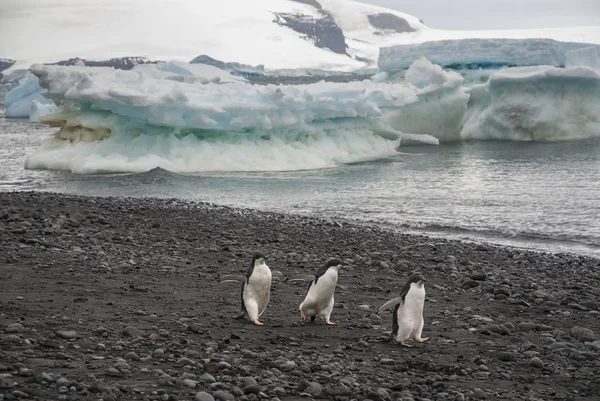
541, 196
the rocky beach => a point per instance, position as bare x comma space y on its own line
119, 299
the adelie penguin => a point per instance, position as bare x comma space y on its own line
256, 287
319, 297
407, 319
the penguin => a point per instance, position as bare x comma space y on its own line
407, 319
256, 287
319, 297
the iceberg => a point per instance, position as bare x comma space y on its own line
479, 53
541, 103
190, 118
27, 96
441, 103
161, 116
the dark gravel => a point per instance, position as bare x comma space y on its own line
118, 299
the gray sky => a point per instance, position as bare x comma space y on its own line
498, 14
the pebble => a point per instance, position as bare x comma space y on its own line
479, 394
189, 383
223, 396
252, 389
131, 331
13, 328
66, 334
314, 389
526, 326
536, 363
506, 356
203, 396
582, 334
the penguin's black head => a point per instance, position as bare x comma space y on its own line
258, 257
416, 278
333, 262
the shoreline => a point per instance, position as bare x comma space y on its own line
78, 271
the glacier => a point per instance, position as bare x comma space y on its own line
480, 53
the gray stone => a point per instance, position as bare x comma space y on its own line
189, 383
132, 356
582, 334
203, 396
184, 362
480, 276
61, 381
536, 363
506, 356
223, 396
526, 326
131, 331
314, 389
595, 345
6, 382
66, 334
13, 328
207, 378
251, 389
479, 394
113, 372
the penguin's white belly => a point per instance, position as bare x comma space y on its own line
320, 295
258, 288
410, 313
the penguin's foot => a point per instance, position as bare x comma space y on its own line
256, 322
330, 322
422, 340
302, 315
405, 344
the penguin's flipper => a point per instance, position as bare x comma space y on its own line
227, 278
300, 277
277, 275
388, 304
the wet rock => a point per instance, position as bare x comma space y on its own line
479, 394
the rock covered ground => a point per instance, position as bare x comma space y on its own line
118, 299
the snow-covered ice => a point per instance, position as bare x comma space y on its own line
47, 31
